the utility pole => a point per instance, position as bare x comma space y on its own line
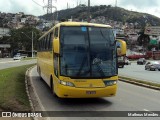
88, 18
77, 3
32, 43
31, 39
49, 6
67, 5
116, 3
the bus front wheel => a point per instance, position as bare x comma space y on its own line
39, 72
52, 86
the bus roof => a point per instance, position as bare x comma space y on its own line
82, 24
75, 24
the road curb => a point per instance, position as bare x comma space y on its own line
27, 85
138, 83
33, 100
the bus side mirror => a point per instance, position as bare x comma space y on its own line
121, 47
56, 46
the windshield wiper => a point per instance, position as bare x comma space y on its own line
82, 65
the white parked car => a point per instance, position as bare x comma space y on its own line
152, 65
17, 57
127, 62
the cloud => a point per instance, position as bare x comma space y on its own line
30, 7
145, 6
16, 6
139, 3
98, 2
26, 6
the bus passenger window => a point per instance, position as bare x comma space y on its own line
56, 64
39, 45
50, 41
44, 43
47, 41
56, 32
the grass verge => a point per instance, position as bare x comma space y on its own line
140, 81
13, 94
29, 58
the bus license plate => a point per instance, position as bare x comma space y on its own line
90, 92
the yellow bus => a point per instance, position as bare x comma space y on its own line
121, 44
79, 60
121, 52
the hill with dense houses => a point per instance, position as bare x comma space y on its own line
106, 13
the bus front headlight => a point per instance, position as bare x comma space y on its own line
110, 82
66, 83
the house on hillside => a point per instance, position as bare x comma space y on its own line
4, 48
4, 31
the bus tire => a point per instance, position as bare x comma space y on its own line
39, 72
52, 86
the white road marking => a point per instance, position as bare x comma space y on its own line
39, 101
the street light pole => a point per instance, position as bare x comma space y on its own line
88, 11
31, 39
32, 44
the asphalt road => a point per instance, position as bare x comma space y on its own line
139, 72
9, 62
129, 98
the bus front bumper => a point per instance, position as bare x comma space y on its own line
73, 92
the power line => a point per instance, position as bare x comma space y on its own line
37, 3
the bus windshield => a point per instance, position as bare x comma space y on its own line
87, 52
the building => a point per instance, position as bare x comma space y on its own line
4, 31
4, 48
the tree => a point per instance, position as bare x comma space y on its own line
143, 39
21, 38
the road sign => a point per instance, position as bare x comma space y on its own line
152, 30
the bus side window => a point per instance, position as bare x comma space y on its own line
56, 33
56, 64
47, 41
50, 41
39, 45
44, 43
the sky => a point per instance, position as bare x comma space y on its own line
36, 7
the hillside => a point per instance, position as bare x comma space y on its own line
109, 12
